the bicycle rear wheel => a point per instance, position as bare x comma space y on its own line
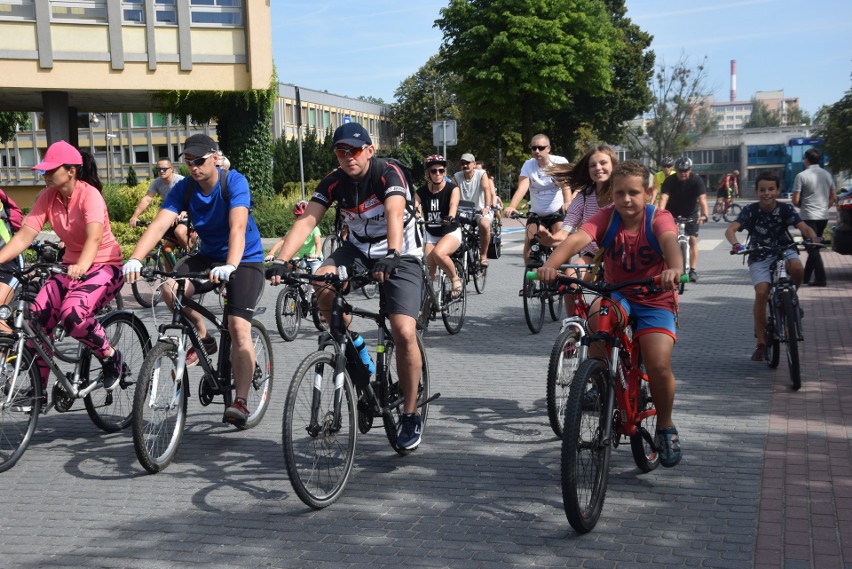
20, 405
585, 452
564, 360
288, 313
453, 309
533, 305
791, 331
773, 345
159, 408
113, 410
319, 444
644, 455
480, 275
732, 212
394, 401
147, 292
260, 390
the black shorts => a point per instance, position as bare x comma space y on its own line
401, 293
243, 289
691, 227
546, 221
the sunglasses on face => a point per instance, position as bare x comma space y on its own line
164, 169
198, 161
539, 148
437, 170
463, 163
349, 152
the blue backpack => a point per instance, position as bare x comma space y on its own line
612, 230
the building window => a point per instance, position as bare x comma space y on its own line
217, 12
133, 11
165, 11
92, 11
17, 10
140, 120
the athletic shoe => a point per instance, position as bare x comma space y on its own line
113, 366
669, 446
693, 276
210, 346
410, 430
237, 414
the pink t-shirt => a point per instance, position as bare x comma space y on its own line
631, 257
86, 206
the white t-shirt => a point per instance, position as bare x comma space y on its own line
545, 196
471, 191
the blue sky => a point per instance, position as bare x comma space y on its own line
368, 49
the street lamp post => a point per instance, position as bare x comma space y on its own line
108, 136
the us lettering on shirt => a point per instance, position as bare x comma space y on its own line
645, 256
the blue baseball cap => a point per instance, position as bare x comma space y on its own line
352, 134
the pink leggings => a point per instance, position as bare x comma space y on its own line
74, 303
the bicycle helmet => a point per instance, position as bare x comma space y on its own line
434, 159
683, 163
668, 162
299, 208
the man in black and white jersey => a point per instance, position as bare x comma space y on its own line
374, 201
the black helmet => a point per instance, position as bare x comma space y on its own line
683, 163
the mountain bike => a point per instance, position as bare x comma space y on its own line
294, 302
163, 258
78, 376
438, 297
783, 312
331, 397
160, 403
683, 243
608, 400
727, 210
468, 251
565, 354
536, 295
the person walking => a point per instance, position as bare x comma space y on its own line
813, 194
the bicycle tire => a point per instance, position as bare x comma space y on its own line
791, 331
732, 212
717, 212
425, 312
555, 302
319, 457
148, 292
69, 347
330, 244
19, 407
564, 360
453, 309
159, 408
644, 455
391, 417
316, 315
112, 411
585, 454
773, 344
260, 391
480, 276
684, 251
288, 313
533, 306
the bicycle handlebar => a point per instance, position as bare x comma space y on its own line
603, 288
778, 249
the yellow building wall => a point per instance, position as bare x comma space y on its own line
79, 38
18, 36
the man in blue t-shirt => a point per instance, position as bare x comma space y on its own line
230, 248
767, 221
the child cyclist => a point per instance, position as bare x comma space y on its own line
767, 221
632, 256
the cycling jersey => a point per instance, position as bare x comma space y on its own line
363, 210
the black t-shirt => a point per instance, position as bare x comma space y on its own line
683, 196
436, 206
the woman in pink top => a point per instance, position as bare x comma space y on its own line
73, 204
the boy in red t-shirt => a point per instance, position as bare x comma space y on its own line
631, 257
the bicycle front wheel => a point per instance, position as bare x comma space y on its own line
480, 275
20, 404
555, 303
684, 251
453, 309
288, 313
732, 212
319, 431
113, 410
564, 360
148, 292
791, 330
773, 344
394, 404
644, 455
533, 306
585, 451
159, 408
330, 244
260, 391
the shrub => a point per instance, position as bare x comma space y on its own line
132, 179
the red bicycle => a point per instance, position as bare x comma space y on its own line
608, 400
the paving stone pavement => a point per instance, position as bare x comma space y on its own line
764, 480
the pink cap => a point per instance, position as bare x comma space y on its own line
59, 154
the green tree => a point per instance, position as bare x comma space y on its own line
11, 123
837, 130
761, 116
521, 61
796, 116
132, 178
678, 115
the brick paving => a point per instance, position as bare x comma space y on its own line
765, 480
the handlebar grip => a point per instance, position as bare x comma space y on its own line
531, 275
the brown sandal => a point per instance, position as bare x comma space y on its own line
457, 288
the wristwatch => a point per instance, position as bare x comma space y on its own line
392, 254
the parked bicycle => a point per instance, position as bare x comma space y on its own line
147, 291
683, 243
332, 394
534, 293
608, 400
295, 302
728, 209
23, 396
783, 312
160, 403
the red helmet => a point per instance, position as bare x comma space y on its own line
299, 208
434, 159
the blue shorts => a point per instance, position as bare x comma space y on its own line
647, 318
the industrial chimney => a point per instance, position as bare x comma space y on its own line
733, 80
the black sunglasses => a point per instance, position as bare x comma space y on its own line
165, 169
539, 148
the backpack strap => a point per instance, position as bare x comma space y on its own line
192, 186
612, 230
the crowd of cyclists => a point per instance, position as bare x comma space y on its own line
579, 207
